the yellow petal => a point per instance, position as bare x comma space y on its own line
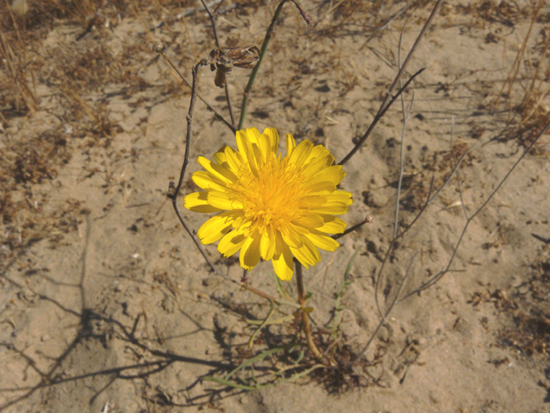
309, 220
282, 261
300, 153
265, 146
242, 141
267, 244
198, 202
332, 225
205, 180
290, 144
323, 188
313, 201
231, 242
245, 148
292, 238
336, 203
253, 135
320, 153
299, 229
250, 251
273, 139
334, 174
318, 164
223, 174
333, 208
259, 158
223, 200
216, 227
307, 254
323, 241
234, 160
340, 196
220, 156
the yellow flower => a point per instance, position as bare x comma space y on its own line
271, 207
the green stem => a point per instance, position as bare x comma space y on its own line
263, 49
268, 36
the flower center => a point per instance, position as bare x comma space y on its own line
274, 197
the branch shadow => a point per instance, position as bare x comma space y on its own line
54, 376
113, 329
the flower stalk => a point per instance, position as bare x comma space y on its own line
305, 319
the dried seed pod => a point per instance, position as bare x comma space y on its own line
223, 59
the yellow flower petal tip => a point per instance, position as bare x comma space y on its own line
271, 207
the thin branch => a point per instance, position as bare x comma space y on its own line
381, 112
389, 99
388, 311
158, 47
268, 35
385, 25
429, 199
368, 219
413, 48
459, 185
215, 30
518, 62
174, 191
445, 270
454, 171
218, 8
406, 115
404, 129
393, 245
213, 21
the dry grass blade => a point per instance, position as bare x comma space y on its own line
15, 81
514, 70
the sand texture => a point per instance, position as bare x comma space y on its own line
106, 305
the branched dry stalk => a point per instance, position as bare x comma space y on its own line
447, 268
436, 277
390, 99
384, 314
215, 30
175, 190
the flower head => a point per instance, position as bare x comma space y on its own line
271, 207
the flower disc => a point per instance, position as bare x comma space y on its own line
271, 207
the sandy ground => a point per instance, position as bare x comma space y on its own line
107, 306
